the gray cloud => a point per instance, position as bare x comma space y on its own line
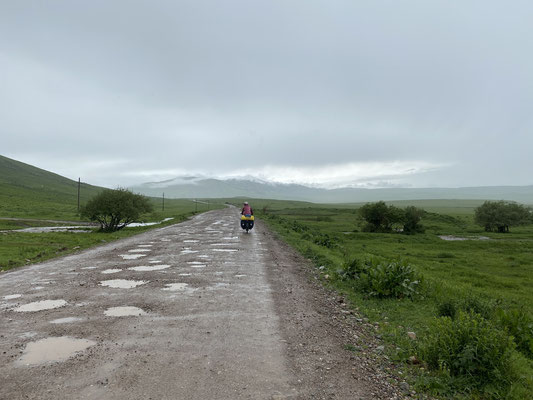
220, 87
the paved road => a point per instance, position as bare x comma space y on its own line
207, 329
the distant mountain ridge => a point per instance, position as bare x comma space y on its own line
202, 187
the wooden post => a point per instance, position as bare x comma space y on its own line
163, 201
79, 184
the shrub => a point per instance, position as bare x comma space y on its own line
382, 279
470, 351
447, 308
115, 209
518, 324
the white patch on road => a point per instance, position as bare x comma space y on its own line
131, 256
82, 268
145, 245
37, 288
139, 251
239, 276
122, 283
203, 256
111, 271
53, 349
191, 241
143, 268
188, 251
67, 320
155, 262
230, 237
41, 305
125, 311
184, 274
12, 296
226, 250
175, 287
221, 244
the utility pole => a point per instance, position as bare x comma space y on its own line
163, 201
79, 184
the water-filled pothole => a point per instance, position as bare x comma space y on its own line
41, 305
131, 256
149, 267
122, 283
12, 296
67, 320
111, 271
175, 287
53, 349
125, 311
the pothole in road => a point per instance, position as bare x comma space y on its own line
149, 267
12, 296
131, 256
188, 251
125, 311
122, 283
111, 271
41, 305
53, 349
67, 320
176, 287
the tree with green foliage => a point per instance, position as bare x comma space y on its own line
499, 216
413, 215
115, 209
380, 217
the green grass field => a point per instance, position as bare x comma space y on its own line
497, 272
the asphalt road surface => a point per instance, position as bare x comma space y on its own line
197, 310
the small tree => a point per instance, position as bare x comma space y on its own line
499, 216
115, 209
379, 217
413, 215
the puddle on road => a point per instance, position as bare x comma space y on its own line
53, 349
139, 251
82, 268
37, 288
230, 237
191, 241
221, 244
111, 271
155, 262
226, 250
12, 296
149, 267
125, 311
131, 256
41, 305
67, 320
145, 245
240, 276
187, 251
198, 266
184, 274
165, 240
175, 287
122, 283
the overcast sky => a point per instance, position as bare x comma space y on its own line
364, 93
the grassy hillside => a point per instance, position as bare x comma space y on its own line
30, 192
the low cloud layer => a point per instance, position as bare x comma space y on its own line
325, 93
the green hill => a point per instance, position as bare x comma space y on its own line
30, 192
